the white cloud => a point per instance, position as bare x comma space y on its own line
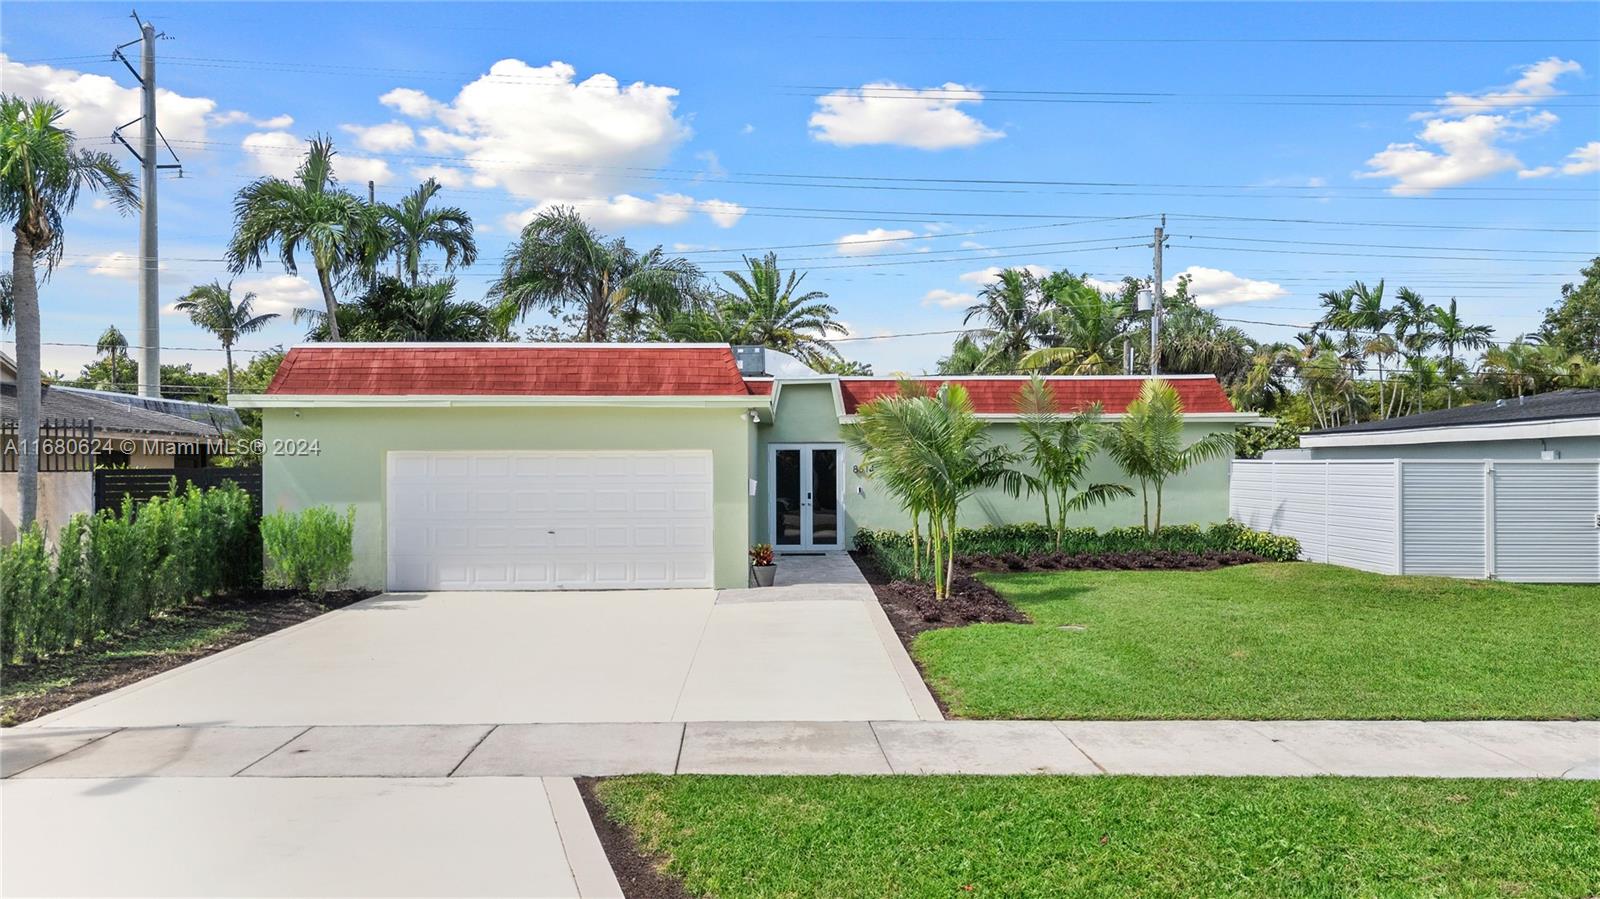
1468, 149
384, 138
889, 113
1114, 287
873, 240
748, 129
1583, 161
540, 133
96, 104
444, 174
987, 276
236, 117
722, 213
1215, 287
947, 299
1538, 82
278, 153
281, 294
117, 264
1460, 142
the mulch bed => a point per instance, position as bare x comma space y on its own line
637, 872
267, 611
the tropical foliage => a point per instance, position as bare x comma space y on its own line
1148, 442
932, 453
1060, 449
42, 173
393, 309
211, 308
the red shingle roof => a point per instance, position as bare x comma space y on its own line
543, 370
999, 395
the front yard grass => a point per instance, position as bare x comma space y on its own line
1115, 836
1264, 641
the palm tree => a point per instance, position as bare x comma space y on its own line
1061, 449
933, 454
211, 308
1453, 333
1085, 328
1148, 443
773, 315
1265, 385
392, 310
42, 172
310, 212
1520, 367
559, 262
411, 225
964, 359
1009, 312
112, 344
1364, 313
1414, 319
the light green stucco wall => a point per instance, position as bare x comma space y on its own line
350, 467
806, 414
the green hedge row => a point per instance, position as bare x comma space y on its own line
114, 569
894, 552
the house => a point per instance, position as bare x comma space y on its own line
1508, 490
534, 466
1564, 424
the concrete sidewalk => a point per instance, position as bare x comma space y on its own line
1517, 749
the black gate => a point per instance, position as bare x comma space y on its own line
112, 484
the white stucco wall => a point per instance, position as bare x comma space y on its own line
62, 494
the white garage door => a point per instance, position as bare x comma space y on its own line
549, 520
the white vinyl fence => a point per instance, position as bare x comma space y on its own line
1517, 521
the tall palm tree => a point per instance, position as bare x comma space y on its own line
307, 212
1061, 448
1265, 384
1455, 333
1367, 318
1085, 328
1008, 311
560, 263
42, 172
1148, 443
774, 314
112, 344
411, 225
1414, 322
211, 308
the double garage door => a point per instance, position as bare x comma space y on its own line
549, 520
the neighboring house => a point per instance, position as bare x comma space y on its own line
1564, 424
528, 466
1508, 489
127, 432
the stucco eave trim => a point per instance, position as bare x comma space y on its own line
420, 401
1248, 419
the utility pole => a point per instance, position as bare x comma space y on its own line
149, 252
1155, 311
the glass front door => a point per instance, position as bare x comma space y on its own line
805, 482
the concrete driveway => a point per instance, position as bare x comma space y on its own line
504, 658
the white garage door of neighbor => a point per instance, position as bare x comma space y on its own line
549, 520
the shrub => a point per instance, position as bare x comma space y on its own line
892, 549
113, 569
310, 550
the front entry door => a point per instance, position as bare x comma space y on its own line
805, 499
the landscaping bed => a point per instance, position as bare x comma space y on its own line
1109, 836
173, 638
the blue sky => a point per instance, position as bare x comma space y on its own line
1451, 148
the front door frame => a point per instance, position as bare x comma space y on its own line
805, 544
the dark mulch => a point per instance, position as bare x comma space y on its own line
912, 609
637, 872
99, 668
1141, 560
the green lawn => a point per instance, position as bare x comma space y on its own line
1115, 836
1273, 641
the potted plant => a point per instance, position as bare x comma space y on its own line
762, 565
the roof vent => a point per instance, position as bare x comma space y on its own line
752, 360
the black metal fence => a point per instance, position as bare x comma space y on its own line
112, 484
65, 444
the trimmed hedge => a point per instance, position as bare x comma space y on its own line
893, 548
114, 569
